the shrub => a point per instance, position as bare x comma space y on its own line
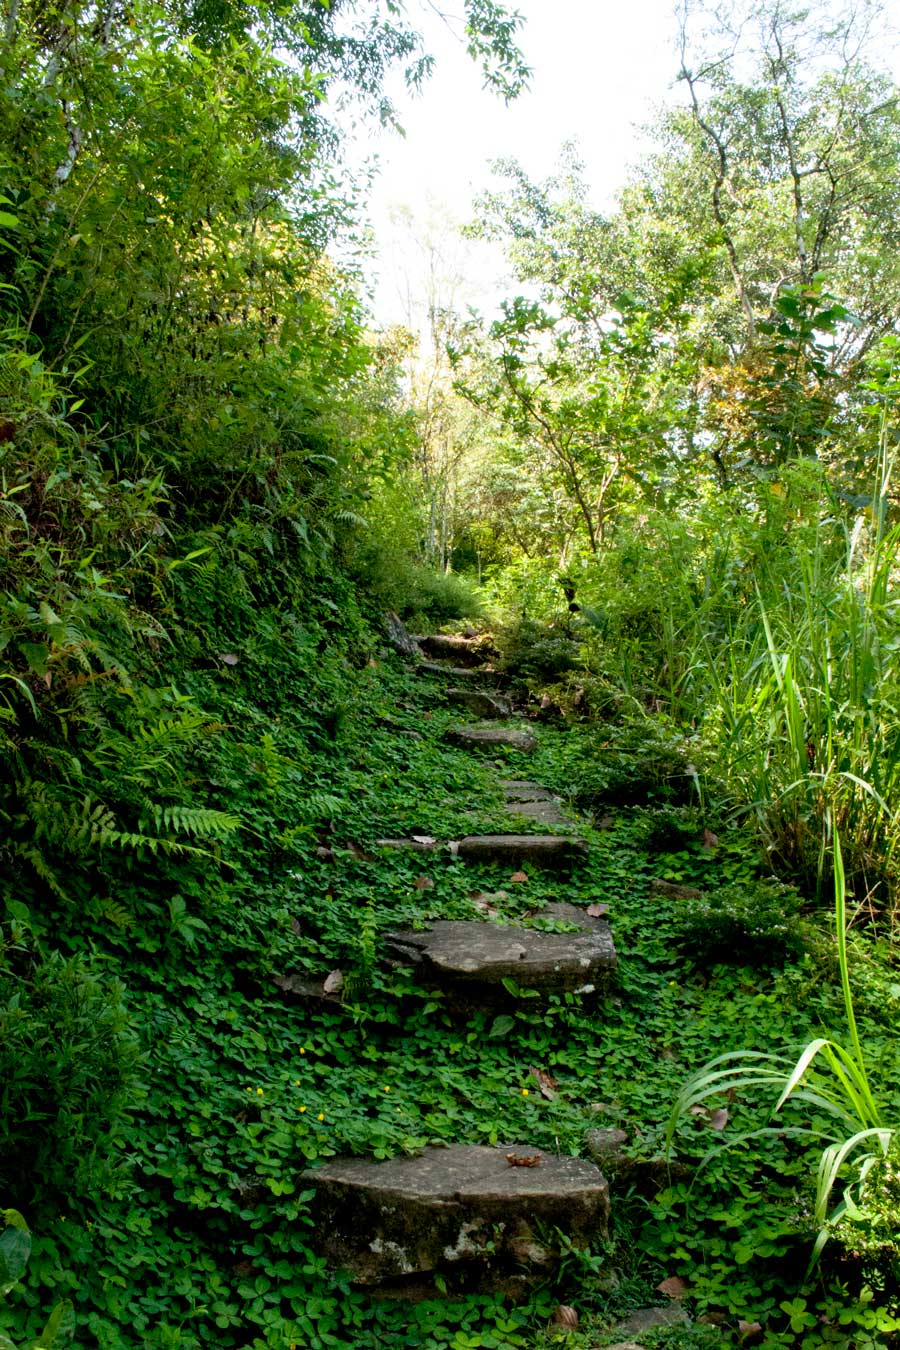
755, 925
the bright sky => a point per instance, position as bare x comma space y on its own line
600, 69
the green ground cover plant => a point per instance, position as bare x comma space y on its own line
672, 484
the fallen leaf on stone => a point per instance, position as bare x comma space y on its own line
596, 911
710, 840
423, 839
749, 1328
546, 1082
228, 659
673, 1287
523, 1160
334, 982
423, 884
519, 876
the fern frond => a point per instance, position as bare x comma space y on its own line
200, 822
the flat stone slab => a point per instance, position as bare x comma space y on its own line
479, 703
452, 1207
490, 738
549, 851
470, 959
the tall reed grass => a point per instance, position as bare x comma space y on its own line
774, 633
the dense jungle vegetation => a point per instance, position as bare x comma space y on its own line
664, 479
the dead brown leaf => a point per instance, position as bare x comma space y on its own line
718, 1119
228, 659
710, 840
546, 1082
523, 1159
564, 1316
296, 926
748, 1329
334, 982
423, 884
326, 854
519, 876
673, 1287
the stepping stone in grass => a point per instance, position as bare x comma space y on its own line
480, 704
490, 738
550, 851
452, 1209
470, 960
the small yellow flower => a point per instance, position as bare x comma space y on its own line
320, 1116
296, 1082
249, 1089
387, 1087
525, 1092
302, 1050
259, 1092
302, 1109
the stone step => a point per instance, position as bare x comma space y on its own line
447, 672
490, 738
470, 960
544, 812
462, 651
533, 802
548, 851
451, 1210
479, 703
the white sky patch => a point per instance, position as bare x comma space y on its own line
601, 73
600, 70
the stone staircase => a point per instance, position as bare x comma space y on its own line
480, 1216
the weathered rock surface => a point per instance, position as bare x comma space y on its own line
449, 1207
447, 672
399, 637
490, 738
521, 790
549, 851
545, 813
470, 960
605, 1144
448, 647
479, 703
533, 802
648, 1319
416, 844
